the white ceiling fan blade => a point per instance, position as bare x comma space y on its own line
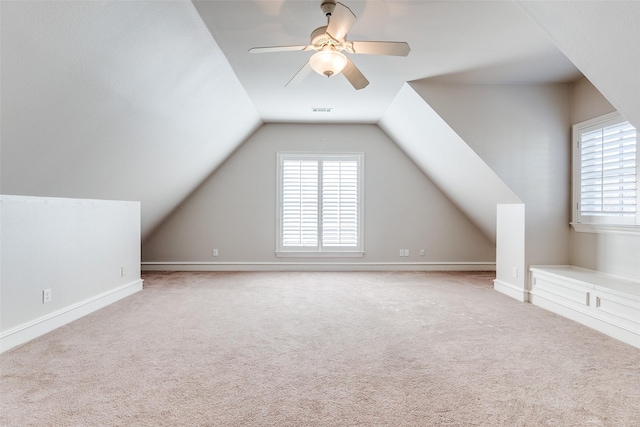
277, 49
381, 48
300, 75
355, 77
340, 22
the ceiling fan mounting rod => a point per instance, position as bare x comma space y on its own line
327, 7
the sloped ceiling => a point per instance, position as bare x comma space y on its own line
445, 158
137, 100
115, 100
602, 38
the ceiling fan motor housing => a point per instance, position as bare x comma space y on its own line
319, 37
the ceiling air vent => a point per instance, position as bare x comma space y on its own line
321, 110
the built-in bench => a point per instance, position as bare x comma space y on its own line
606, 303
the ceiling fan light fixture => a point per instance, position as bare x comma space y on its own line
330, 41
328, 62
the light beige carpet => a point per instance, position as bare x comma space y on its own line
321, 349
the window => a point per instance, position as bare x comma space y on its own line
319, 205
605, 172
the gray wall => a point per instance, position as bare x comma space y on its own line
522, 133
234, 210
617, 254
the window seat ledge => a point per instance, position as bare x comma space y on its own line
592, 278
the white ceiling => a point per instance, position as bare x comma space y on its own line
137, 100
456, 41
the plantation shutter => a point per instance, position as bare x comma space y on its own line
319, 205
300, 203
608, 171
340, 203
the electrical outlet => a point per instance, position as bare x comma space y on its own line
401, 252
123, 271
406, 252
514, 271
46, 296
421, 252
215, 252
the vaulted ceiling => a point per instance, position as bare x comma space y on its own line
144, 100
487, 42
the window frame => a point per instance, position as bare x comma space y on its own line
600, 223
319, 250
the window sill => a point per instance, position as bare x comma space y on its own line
309, 254
605, 228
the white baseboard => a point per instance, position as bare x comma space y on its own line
511, 290
318, 266
40, 326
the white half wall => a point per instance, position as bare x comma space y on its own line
87, 252
234, 211
511, 271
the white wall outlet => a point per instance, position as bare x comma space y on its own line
406, 252
401, 252
514, 271
123, 271
215, 252
46, 296
421, 252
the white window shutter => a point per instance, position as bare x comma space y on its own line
300, 203
320, 204
340, 203
608, 171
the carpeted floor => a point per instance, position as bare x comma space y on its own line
321, 349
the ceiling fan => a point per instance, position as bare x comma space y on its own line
330, 41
